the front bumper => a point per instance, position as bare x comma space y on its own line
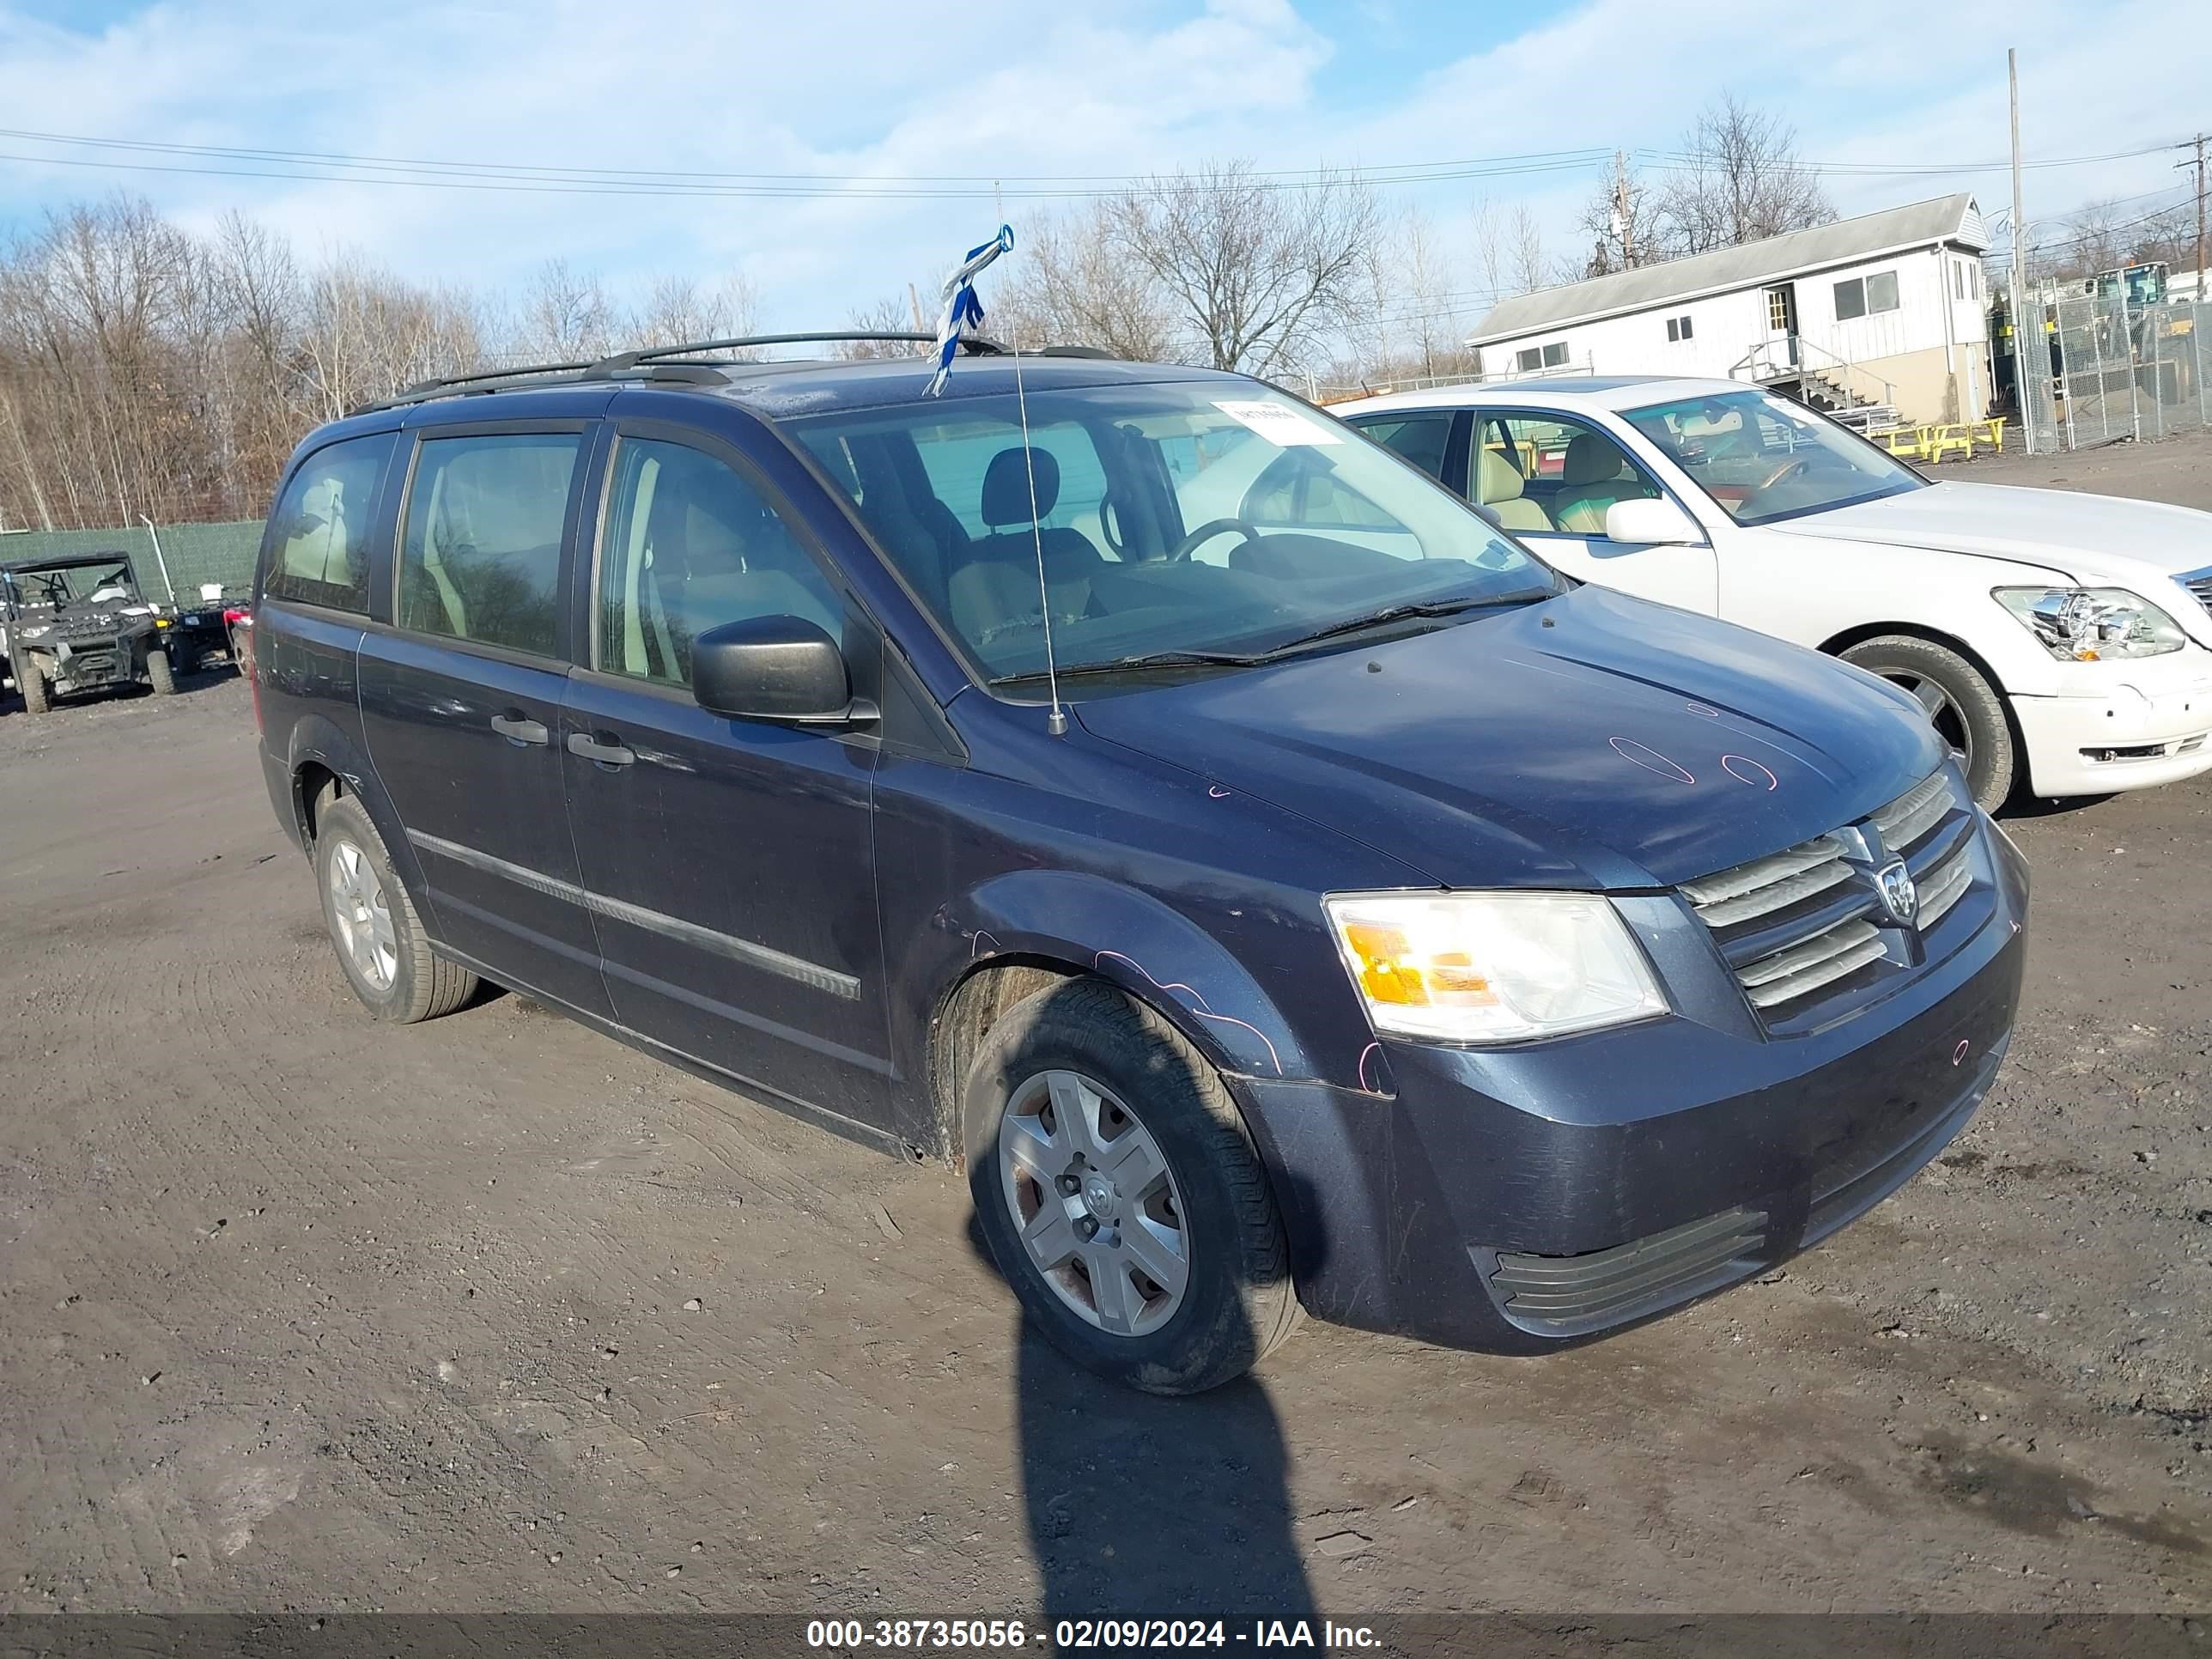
1516, 1200
2155, 727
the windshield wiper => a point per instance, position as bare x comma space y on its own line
1402, 613
1131, 665
1288, 648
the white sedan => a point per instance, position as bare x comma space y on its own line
2059, 642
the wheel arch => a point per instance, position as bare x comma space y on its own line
1022, 931
318, 756
2023, 763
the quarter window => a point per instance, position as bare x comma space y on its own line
690, 545
322, 527
482, 557
1420, 438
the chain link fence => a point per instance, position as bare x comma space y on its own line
2108, 370
194, 554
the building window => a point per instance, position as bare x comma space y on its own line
1531, 358
1863, 295
1778, 310
1555, 354
1678, 328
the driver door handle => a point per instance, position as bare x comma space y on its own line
517, 729
606, 754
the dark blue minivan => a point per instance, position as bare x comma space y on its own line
1275, 884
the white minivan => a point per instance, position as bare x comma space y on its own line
2061, 642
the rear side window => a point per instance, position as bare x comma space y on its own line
481, 559
319, 555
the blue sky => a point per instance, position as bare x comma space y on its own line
1025, 91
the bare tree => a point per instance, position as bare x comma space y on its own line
1255, 275
144, 369
1073, 281
565, 315
677, 310
892, 314
1739, 178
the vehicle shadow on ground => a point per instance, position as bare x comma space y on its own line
1145, 1507
2035, 806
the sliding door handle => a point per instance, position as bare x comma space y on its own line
518, 731
606, 753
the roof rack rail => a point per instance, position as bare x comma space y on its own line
650, 363
621, 362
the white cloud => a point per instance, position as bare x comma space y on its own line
1021, 90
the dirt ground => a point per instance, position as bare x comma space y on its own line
299, 1312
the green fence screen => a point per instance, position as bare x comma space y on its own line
195, 554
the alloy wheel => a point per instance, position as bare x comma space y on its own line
363, 916
1943, 713
1094, 1202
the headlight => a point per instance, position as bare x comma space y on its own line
2091, 624
1492, 967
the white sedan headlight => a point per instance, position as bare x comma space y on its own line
2091, 624
1492, 967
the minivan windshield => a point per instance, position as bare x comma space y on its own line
1761, 458
1181, 522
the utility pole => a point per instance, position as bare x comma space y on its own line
1624, 223
2199, 165
2019, 305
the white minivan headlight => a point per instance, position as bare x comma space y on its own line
1492, 967
2091, 624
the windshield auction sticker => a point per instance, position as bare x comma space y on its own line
1278, 423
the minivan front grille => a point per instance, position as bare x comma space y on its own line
1798, 928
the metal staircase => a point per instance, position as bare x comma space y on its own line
1820, 380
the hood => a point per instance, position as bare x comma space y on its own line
1591, 740
2090, 538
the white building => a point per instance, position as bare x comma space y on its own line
1886, 308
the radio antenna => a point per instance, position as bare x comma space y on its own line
1056, 721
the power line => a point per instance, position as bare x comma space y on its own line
218, 161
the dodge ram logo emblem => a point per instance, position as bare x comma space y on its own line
1898, 896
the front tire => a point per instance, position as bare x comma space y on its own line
373, 925
1120, 1195
32, 685
1965, 710
158, 674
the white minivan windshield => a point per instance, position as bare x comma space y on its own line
1761, 458
1200, 520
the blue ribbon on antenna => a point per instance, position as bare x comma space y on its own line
962, 310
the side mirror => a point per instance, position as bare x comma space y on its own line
1651, 521
772, 668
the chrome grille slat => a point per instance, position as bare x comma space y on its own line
1944, 887
1914, 814
2198, 582
1821, 960
1758, 878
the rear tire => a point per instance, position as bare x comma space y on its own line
373, 925
158, 674
1079, 1083
1967, 711
32, 685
